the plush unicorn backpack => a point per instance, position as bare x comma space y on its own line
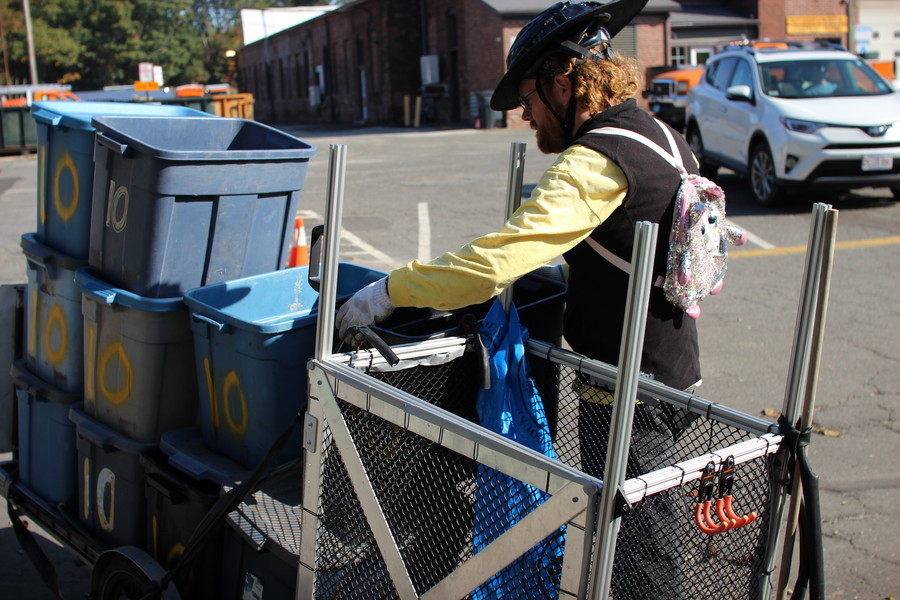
698, 250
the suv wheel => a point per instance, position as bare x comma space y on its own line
762, 176
696, 143
895, 190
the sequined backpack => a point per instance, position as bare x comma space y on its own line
698, 249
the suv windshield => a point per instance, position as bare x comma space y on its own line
821, 77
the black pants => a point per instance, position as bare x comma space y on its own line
649, 563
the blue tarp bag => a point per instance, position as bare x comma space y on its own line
512, 407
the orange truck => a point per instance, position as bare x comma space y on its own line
668, 93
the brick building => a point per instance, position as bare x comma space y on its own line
369, 61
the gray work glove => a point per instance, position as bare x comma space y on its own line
366, 307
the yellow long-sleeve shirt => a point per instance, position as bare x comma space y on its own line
574, 196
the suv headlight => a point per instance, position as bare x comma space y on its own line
800, 126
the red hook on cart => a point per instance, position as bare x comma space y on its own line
728, 519
702, 516
724, 508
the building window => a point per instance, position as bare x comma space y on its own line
326, 70
679, 55
452, 33
374, 79
346, 67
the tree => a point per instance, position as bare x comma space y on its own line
93, 43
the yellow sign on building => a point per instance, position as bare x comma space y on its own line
816, 24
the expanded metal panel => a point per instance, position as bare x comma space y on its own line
429, 496
432, 497
660, 551
662, 434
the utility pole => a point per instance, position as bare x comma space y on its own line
29, 36
6, 79
851, 25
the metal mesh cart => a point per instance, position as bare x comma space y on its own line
670, 495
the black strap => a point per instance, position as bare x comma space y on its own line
34, 552
811, 570
229, 501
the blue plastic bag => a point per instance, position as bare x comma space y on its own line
512, 407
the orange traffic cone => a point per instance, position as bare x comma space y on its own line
299, 249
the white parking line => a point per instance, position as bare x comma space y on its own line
753, 238
361, 247
424, 233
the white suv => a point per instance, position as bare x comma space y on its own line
786, 116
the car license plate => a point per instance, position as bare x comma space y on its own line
877, 162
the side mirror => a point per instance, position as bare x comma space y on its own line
740, 93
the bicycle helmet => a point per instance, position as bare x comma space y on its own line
564, 26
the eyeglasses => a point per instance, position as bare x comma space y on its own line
524, 102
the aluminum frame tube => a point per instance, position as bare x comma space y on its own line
650, 388
809, 397
639, 285
803, 329
797, 373
417, 409
638, 488
513, 199
334, 198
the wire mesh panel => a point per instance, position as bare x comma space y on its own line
660, 551
442, 504
426, 495
662, 434
440, 500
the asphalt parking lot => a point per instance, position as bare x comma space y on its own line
419, 193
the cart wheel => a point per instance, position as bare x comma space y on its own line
128, 573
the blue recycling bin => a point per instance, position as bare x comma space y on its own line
65, 146
186, 202
252, 340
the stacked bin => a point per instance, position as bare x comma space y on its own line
177, 202
252, 339
175, 504
179, 492
137, 204
50, 380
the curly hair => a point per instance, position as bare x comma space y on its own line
598, 84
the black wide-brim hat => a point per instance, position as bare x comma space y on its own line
548, 30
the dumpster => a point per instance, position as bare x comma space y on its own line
488, 117
65, 144
186, 202
17, 130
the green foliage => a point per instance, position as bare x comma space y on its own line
93, 43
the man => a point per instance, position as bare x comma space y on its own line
562, 70
564, 74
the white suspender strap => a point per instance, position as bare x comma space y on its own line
617, 261
673, 159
